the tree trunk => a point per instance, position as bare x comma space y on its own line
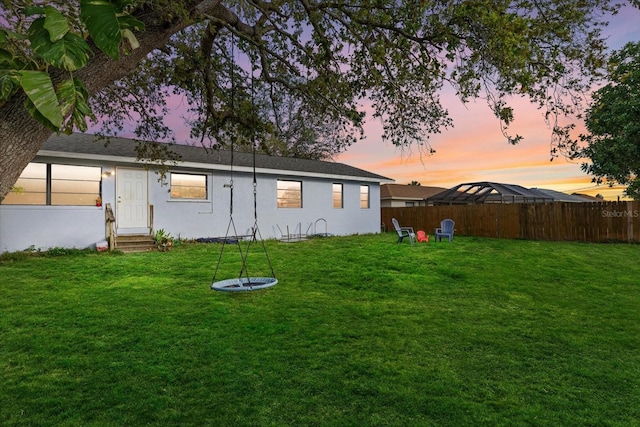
20, 139
21, 136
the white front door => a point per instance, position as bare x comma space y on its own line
131, 198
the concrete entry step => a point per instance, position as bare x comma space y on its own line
135, 243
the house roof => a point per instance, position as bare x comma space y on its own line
89, 146
588, 197
564, 197
408, 192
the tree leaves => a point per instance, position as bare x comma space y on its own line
69, 52
74, 104
42, 96
330, 55
61, 109
55, 44
55, 23
105, 22
9, 82
102, 23
613, 122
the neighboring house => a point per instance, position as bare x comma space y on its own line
63, 192
400, 196
588, 198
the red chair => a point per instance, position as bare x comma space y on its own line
422, 236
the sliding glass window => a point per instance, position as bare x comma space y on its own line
52, 184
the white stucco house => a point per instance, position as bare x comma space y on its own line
63, 193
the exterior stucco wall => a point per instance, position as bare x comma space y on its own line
401, 203
190, 219
44, 227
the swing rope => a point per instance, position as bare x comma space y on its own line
256, 229
231, 224
244, 281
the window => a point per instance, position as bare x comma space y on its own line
75, 185
30, 188
364, 197
47, 184
337, 196
409, 204
289, 194
184, 186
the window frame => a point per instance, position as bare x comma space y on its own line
281, 202
60, 178
187, 199
368, 197
37, 182
340, 193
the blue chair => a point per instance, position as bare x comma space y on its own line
403, 231
445, 229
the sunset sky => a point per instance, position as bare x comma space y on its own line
475, 149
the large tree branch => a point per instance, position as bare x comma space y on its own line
22, 136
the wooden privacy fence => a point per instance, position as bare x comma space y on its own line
584, 222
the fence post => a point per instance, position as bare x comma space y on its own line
630, 214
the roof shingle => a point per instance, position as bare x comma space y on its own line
125, 148
413, 192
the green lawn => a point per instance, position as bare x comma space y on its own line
359, 331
